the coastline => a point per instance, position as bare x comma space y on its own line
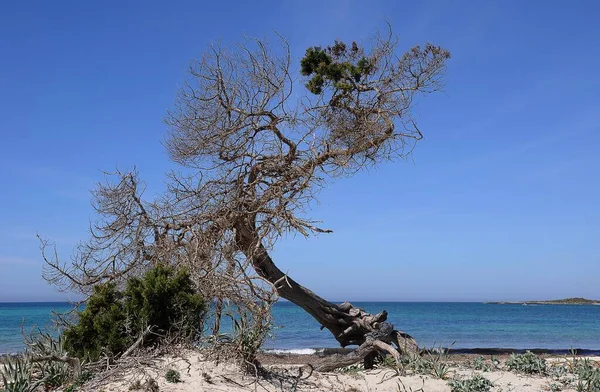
295, 373
324, 351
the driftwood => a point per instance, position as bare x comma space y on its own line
138, 342
380, 337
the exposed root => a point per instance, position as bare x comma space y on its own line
375, 335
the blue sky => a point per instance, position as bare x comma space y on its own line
498, 202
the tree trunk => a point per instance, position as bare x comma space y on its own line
348, 324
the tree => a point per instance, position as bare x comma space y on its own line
254, 152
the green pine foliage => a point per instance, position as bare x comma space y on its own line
101, 325
164, 298
337, 66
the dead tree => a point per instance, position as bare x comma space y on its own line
256, 143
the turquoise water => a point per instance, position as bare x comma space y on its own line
467, 325
24, 315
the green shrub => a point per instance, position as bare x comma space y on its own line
528, 363
163, 298
172, 376
101, 325
476, 383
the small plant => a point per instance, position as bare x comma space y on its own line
250, 329
82, 379
555, 387
434, 362
386, 361
417, 364
53, 373
476, 383
207, 377
589, 376
353, 370
172, 376
437, 359
528, 363
136, 385
400, 387
151, 385
495, 362
557, 372
16, 375
480, 364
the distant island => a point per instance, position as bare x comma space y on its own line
566, 301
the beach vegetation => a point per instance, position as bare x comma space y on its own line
242, 344
528, 363
136, 385
44, 364
434, 362
84, 377
354, 370
164, 300
480, 364
400, 387
150, 385
477, 383
588, 375
50, 360
439, 362
17, 376
173, 376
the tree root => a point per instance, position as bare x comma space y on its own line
337, 361
373, 334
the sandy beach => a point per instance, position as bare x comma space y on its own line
290, 373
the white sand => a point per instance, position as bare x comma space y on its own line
201, 375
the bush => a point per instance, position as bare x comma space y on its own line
166, 299
477, 383
101, 325
172, 376
112, 320
526, 363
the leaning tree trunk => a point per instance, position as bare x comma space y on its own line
348, 324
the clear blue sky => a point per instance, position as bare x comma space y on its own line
500, 201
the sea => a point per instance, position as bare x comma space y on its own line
458, 325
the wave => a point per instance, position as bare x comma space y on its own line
296, 351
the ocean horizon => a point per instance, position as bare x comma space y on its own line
469, 326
